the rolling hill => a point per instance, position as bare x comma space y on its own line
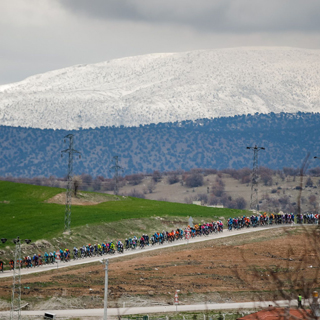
25, 212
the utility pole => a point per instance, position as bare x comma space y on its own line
70, 151
116, 168
105, 311
254, 201
16, 285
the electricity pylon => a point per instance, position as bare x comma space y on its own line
116, 169
16, 286
254, 200
70, 151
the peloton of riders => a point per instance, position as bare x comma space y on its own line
162, 237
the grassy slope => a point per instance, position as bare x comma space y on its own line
24, 213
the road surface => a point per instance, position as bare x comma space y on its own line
157, 309
59, 265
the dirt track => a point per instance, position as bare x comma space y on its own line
209, 271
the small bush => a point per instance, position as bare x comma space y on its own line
309, 182
156, 176
203, 197
136, 194
134, 179
173, 178
194, 180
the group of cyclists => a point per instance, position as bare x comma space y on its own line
265, 219
260, 220
204, 229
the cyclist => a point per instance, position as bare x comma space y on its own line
99, 249
46, 258
120, 246
127, 244
61, 254
75, 253
134, 242
67, 255
142, 242
40, 259
11, 263
35, 260
29, 262
146, 239
112, 247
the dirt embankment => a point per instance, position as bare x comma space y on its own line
236, 269
83, 199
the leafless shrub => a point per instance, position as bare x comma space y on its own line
173, 178
136, 194
151, 186
162, 199
156, 176
288, 275
203, 197
134, 179
77, 181
194, 180
190, 199
209, 171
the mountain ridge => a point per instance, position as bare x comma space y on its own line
166, 87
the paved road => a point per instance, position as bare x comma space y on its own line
60, 265
157, 309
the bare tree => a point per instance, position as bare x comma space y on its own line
302, 171
134, 179
194, 180
288, 275
77, 182
156, 176
173, 178
151, 186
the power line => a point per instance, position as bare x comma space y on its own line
254, 201
70, 151
116, 169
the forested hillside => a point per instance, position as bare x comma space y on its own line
209, 143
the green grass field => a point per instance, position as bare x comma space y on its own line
24, 212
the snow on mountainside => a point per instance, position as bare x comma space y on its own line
166, 88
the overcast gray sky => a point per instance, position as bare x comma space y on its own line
41, 35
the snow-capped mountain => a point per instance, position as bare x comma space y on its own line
166, 88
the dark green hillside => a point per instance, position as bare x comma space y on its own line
24, 212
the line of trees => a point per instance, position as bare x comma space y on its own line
191, 179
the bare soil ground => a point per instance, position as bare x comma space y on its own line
240, 268
83, 199
179, 192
